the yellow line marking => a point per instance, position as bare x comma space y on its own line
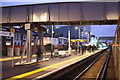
42, 69
6, 59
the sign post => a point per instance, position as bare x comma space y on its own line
12, 30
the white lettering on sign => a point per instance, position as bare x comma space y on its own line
4, 33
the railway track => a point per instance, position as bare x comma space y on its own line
96, 70
77, 70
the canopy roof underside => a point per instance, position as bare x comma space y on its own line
78, 13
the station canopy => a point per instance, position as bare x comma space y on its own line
62, 13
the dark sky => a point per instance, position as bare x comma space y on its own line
104, 30
20, 2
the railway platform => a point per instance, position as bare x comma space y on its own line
41, 69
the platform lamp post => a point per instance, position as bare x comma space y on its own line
79, 33
69, 47
77, 28
88, 36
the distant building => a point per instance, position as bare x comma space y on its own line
62, 31
106, 39
19, 37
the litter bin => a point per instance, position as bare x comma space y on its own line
10, 52
17, 51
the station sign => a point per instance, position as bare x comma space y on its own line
27, 26
4, 33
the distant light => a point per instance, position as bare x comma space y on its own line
76, 27
86, 32
53, 32
47, 30
57, 27
16, 26
32, 44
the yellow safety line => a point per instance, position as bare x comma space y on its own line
42, 69
6, 59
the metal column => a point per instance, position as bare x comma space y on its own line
119, 48
69, 47
29, 55
79, 32
29, 46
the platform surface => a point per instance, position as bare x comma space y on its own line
38, 70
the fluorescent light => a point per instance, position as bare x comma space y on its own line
57, 27
8, 43
16, 26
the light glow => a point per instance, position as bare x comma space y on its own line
8, 43
86, 32
32, 44
43, 16
76, 27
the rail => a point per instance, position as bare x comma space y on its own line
102, 71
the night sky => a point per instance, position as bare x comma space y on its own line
103, 30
